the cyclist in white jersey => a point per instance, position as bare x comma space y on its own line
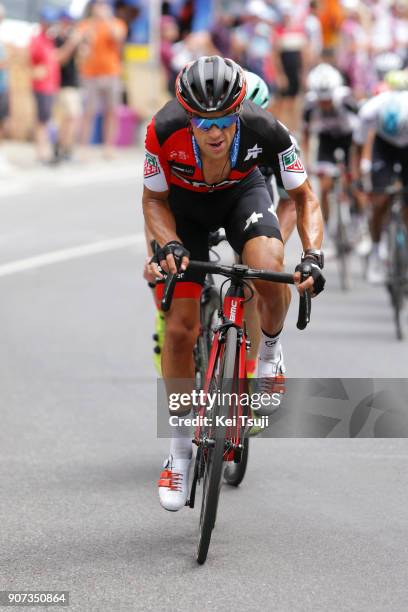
330, 113
384, 117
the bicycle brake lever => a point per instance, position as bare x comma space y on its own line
305, 305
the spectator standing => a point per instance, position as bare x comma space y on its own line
102, 36
353, 49
45, 80
4, 92
331, 17
252, 40
169, 34
69, 106
289, 53
313, 29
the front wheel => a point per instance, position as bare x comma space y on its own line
214, 453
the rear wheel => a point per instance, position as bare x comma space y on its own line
234, 472
213, 453
398, 275
343, 247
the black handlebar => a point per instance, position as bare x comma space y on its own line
305, 306
241, 272
169, 286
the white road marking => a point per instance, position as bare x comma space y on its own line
94, 248
82, 175
12, 189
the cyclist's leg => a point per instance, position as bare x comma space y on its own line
381, 177
326, 185
273, 298
182, 328
404, 178
183, 318
325, 168
253, 230
159, 325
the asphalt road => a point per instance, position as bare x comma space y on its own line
318, 525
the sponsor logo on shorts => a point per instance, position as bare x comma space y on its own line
254, 218
151, 165
291, 161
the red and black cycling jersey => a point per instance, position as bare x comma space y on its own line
173, 158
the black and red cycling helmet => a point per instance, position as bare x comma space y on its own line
211, 84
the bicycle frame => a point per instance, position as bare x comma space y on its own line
232, 314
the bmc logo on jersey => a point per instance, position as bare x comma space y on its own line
151, 165
290, 161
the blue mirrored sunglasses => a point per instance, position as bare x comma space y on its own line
219, 122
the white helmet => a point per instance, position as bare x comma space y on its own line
323, 80
387, 61
393, 118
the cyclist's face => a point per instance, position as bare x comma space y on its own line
214, 143
326, 105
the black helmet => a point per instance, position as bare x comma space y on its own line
210, 84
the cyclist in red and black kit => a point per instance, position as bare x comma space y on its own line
201, 173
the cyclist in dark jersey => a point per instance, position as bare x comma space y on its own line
202, 153
258, 93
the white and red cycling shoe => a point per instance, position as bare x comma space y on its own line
173, 483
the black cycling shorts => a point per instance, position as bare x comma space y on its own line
385, 157
328, 144
292, 66
245, 211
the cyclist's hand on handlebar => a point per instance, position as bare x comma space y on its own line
315, 281
173, 258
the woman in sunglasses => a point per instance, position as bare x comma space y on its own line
201, 173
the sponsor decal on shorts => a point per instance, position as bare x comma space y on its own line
254, 218
151, 165
290, 161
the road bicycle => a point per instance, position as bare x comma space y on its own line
221, 436
397, 261
341, 201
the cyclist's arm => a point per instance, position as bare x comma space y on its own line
159, 219
363, 136
309, 216
161, 225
